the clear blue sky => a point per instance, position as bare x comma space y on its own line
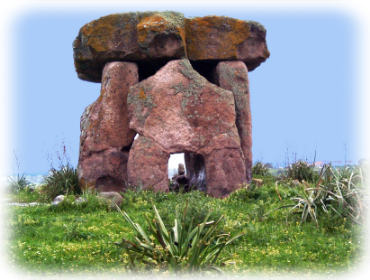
302, 97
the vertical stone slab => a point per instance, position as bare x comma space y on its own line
147, 165
105, 134
225, 172
233, 76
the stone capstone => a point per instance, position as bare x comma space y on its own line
225, 38
153, 38
105, 134
128, 37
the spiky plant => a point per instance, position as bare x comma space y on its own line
63, 181
260, 170
18, 183
345, 196
180, 250
301, 171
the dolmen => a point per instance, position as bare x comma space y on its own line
169, 84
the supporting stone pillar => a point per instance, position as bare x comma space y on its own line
147, 165
233, 76
105, 134
225, 172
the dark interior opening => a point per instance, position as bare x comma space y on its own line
127, 148
206, 68
108, 183
150, 67
196, 171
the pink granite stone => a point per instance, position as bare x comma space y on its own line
233, 76
105, 134
180, 111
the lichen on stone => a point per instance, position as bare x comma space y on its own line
139, 99
256, 24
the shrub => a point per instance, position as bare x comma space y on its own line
301, 171
63, 181
87, 202
365, 172
18, 183
198, 204
340, 192
260, 169
182, 250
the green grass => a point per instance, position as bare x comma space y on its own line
80, 238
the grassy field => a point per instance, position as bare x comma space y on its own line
80, 238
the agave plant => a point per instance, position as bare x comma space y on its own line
180, 250
342, 194
347, 192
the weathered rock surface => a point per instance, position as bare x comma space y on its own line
224, 38
57, 200
204, 113
233, 75
258, 182
177, 110
24, 204
181, 169
105, 134
181, 111
111, 198
130, 37
225, 171
161, 35
147, 165
157, 37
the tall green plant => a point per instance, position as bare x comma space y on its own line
182, 250
260, 169
300, 171
63, 181
333, 190
18, 183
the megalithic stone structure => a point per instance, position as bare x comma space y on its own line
181, 85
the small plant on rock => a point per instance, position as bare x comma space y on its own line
180, 250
